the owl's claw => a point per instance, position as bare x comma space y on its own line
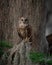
26, 39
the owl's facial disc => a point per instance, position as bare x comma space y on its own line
23, 22
26, 21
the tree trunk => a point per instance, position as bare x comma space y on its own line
20, 54
34, 10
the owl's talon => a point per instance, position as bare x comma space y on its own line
27, 39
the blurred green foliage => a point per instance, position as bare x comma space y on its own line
4, 45
40, 58
49, 62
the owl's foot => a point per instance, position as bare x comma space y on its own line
26, 39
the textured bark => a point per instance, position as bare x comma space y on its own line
20, 54
34, 10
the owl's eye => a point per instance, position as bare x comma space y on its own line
21, 19
26, 19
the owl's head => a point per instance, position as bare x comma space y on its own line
23, 20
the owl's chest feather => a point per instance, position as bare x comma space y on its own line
22, 31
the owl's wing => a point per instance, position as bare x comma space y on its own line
29, 29
29, 33
19, 33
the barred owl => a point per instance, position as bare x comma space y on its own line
24, 29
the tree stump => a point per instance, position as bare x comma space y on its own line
19, 54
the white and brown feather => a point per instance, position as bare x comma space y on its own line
24, 29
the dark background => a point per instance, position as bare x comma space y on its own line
49, 19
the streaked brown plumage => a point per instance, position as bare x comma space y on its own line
24, 29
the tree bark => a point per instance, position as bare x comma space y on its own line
35, 12
20, 54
